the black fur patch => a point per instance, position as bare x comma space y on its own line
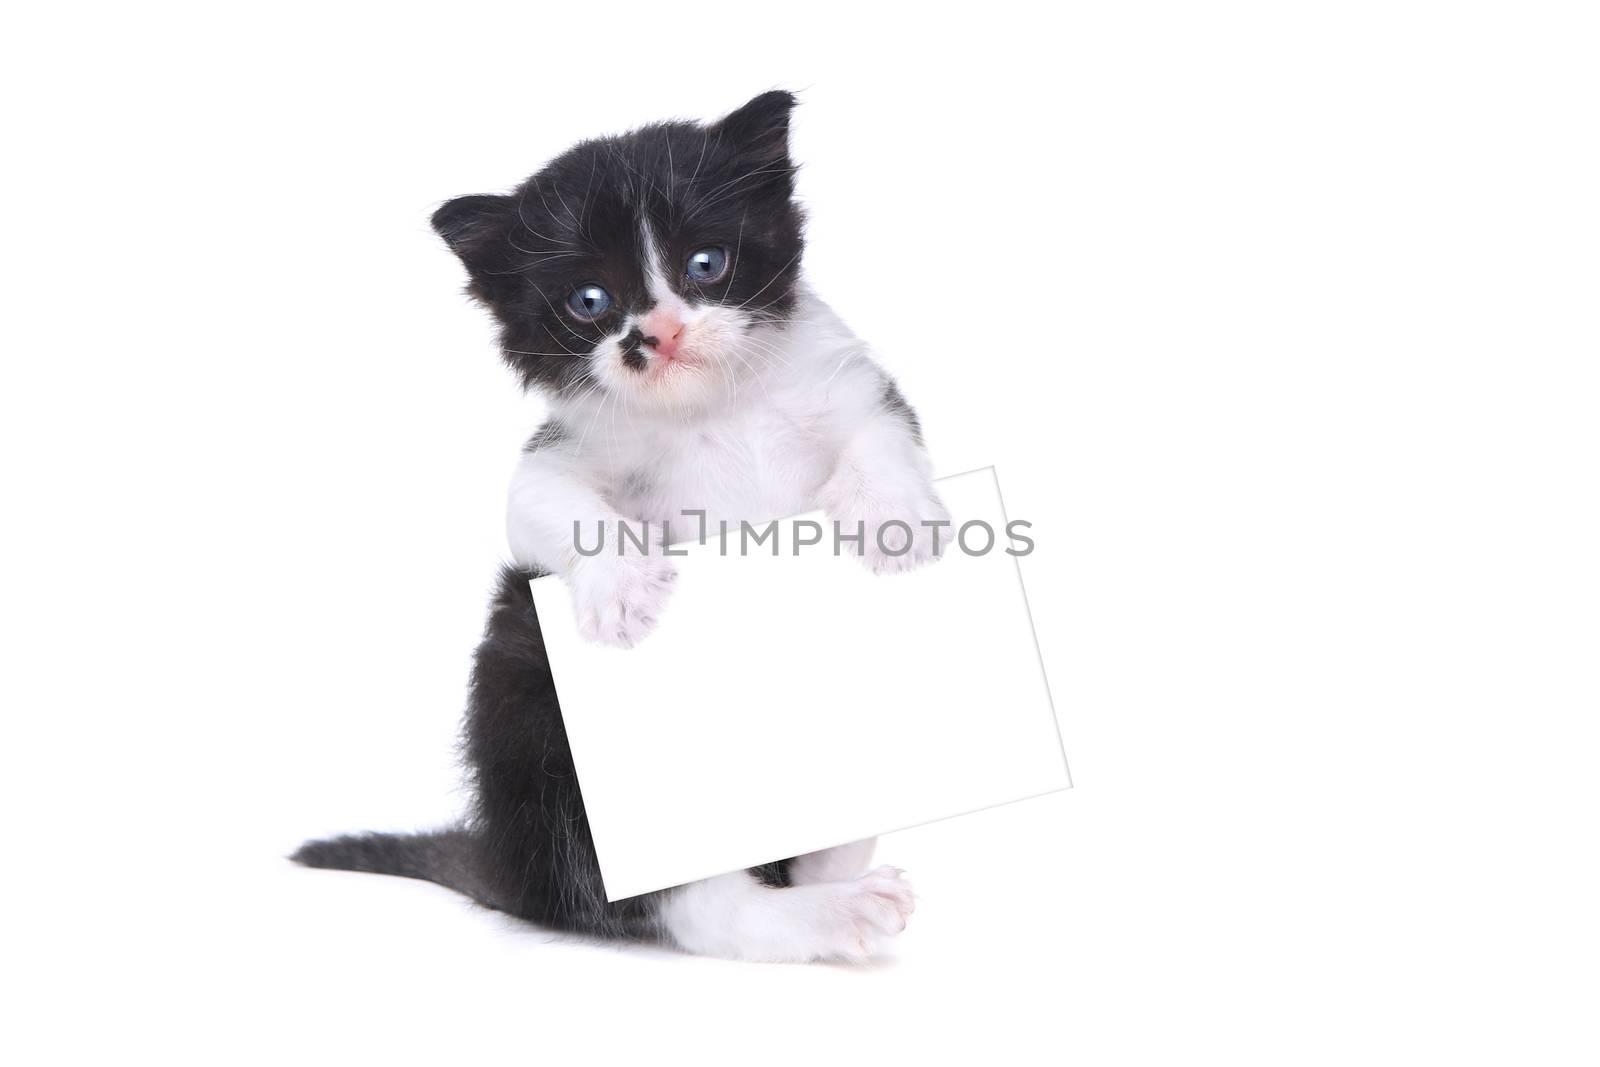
632, 351
578, 221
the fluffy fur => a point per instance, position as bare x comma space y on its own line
709, 379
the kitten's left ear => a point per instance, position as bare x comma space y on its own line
476, 228
760, 129
470, 225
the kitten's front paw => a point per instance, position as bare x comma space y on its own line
897, 535
618, 598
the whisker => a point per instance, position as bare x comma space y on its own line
725, 190
557, 355
774, 278
736, 249
523, 218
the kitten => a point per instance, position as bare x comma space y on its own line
649, 286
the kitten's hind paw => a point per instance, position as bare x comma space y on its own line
870, 912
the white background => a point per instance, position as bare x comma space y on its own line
1280, 320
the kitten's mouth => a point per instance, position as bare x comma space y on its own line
682, 359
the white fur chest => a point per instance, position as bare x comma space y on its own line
763, 462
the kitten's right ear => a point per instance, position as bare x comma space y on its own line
760, 128
472, 226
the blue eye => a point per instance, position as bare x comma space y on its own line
707, 264
589, 302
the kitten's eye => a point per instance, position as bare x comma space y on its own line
707, 264
589, 302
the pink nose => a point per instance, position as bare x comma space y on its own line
662, 331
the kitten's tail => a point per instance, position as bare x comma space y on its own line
447, 857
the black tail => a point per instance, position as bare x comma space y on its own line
450, 858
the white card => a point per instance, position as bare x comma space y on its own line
787, 704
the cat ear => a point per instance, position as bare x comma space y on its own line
760, 129
471, 224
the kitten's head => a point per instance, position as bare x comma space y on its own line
639, 264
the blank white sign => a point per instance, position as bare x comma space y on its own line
789, 703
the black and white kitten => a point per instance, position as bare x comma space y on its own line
649, 285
